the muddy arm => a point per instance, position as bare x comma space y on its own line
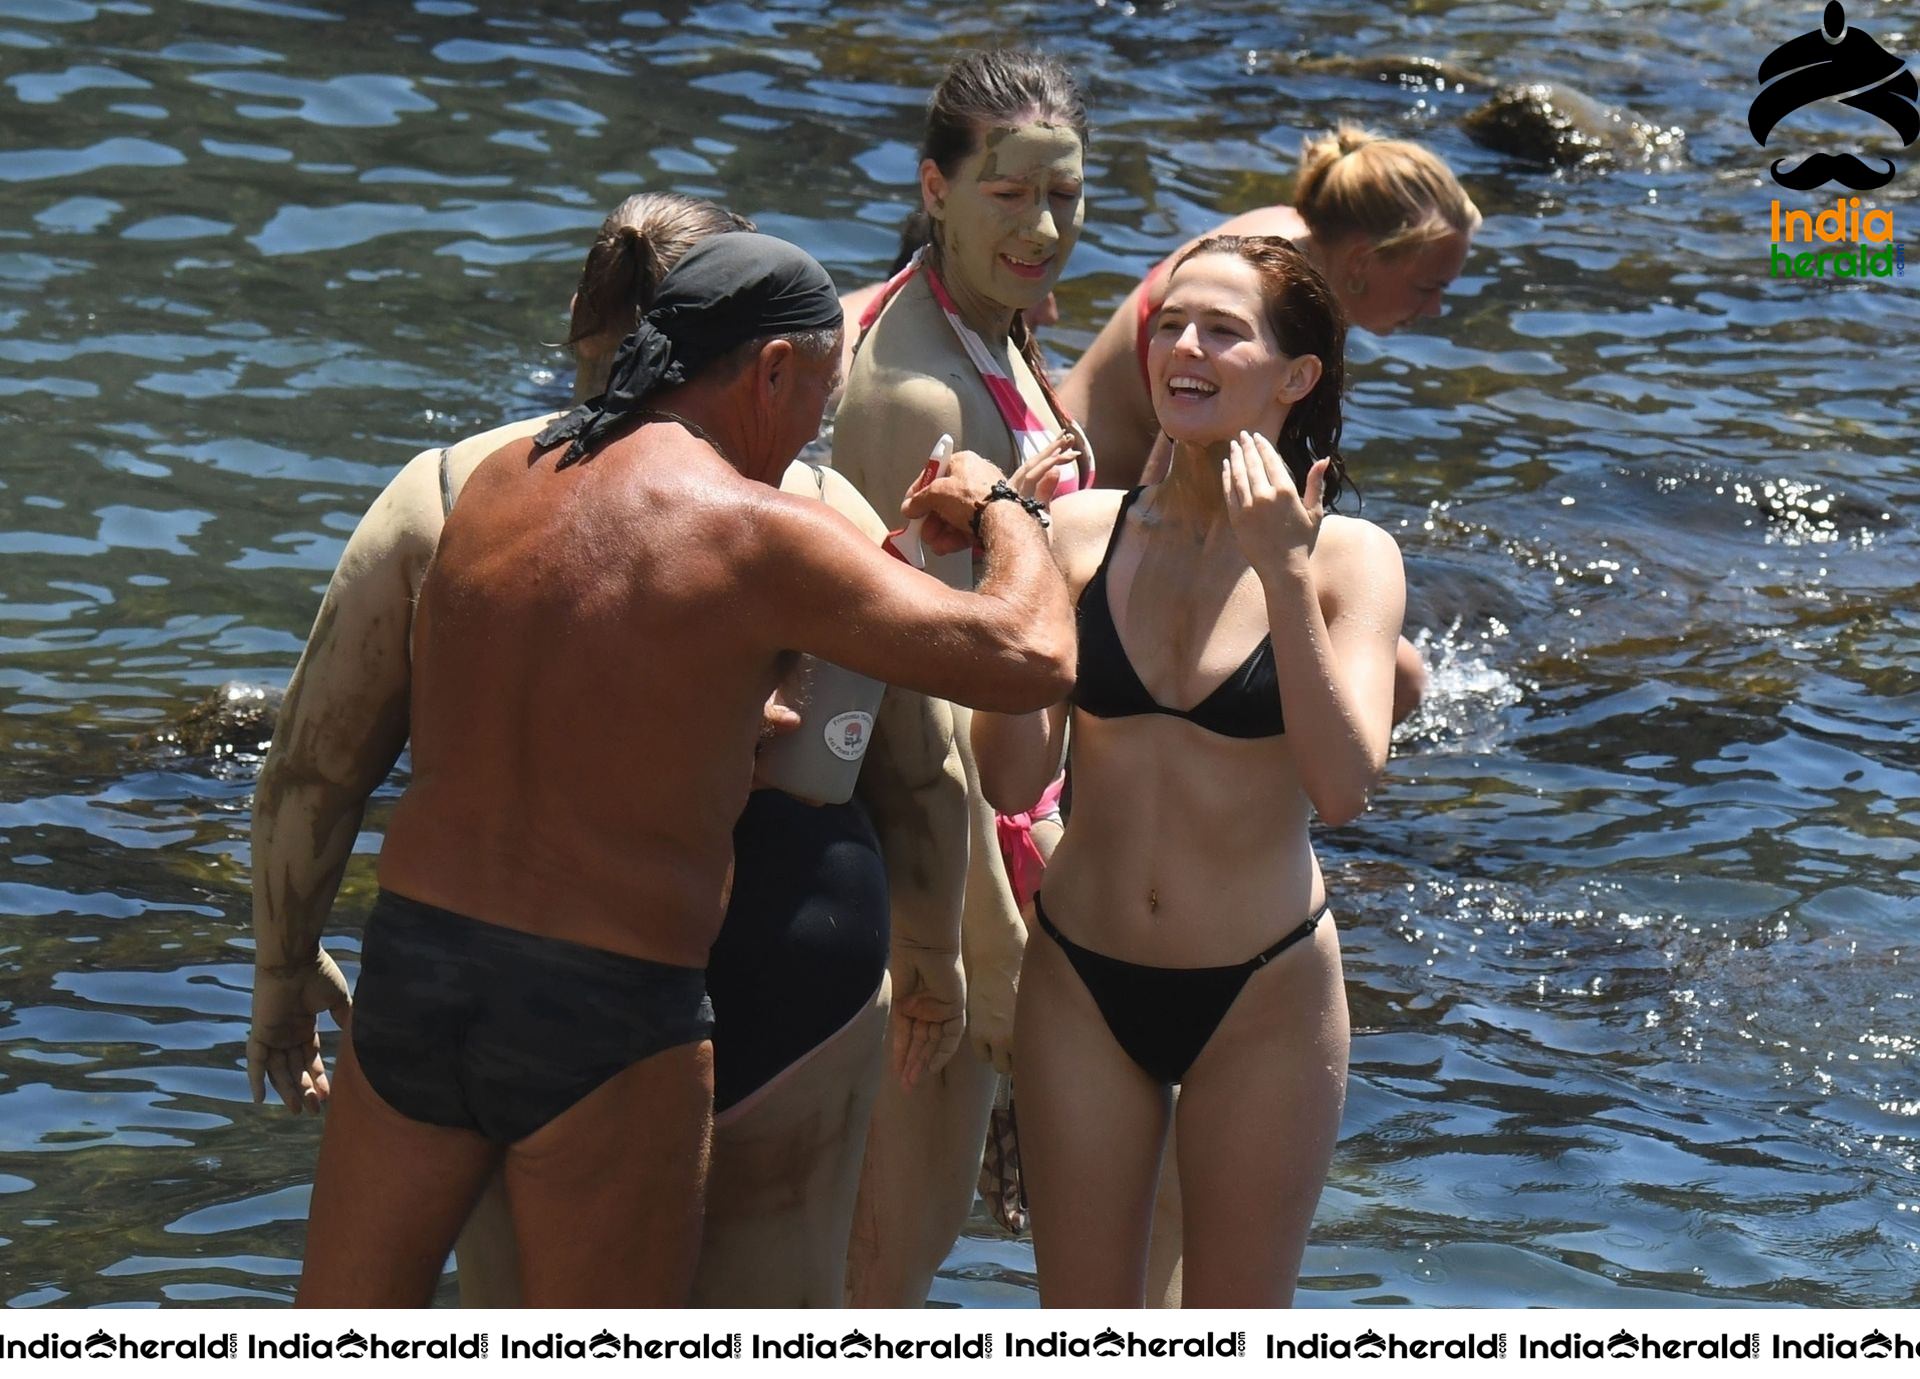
915, 789
341, 728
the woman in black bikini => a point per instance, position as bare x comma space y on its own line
1236, 674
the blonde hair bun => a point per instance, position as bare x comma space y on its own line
1395, 193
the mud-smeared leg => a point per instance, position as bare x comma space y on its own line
786, 1166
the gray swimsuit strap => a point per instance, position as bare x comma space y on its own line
446, 483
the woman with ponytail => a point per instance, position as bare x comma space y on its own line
1235, 676
947, 348
798, 976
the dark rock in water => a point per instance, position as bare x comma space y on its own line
1410, 70
1557, 126
1442, 591
234, 720
1796, 511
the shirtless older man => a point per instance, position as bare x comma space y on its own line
593, 647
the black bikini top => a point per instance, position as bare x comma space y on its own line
1247, 703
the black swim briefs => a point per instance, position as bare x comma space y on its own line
462, 1023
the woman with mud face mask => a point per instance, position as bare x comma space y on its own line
947, 350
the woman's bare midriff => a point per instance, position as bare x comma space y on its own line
1185, 848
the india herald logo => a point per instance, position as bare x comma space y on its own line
1836, 60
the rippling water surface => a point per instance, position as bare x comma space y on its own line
1627, 931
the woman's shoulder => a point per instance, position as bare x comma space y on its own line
1082, 525
404, 521
819, 481
1283, 221
924, 385
904, 358
1347, 530
1088, 509
912, 348
909, 325
1354, 544
887, 424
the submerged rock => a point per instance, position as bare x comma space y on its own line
1538, 121
1413, 71
234, 720
1542, 122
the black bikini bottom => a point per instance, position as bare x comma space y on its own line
804, 944
1162, 1017
462, 1023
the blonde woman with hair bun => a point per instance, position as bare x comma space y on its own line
1384, 221
1377, 201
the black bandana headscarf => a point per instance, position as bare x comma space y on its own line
727, 290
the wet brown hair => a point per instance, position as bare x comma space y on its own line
1393, 193
638, 244
1305, 318
1002, 86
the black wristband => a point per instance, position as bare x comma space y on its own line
1002, 489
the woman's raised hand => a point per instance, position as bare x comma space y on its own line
1273, 522
1039, 478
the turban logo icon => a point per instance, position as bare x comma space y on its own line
1835, 60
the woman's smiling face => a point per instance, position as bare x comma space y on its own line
1009, 216
1215, 366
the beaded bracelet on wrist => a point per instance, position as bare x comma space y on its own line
1003, 490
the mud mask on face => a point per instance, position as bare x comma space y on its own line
1011, 213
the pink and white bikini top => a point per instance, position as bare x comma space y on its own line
1031, 431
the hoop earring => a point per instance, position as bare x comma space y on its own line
1356, 287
